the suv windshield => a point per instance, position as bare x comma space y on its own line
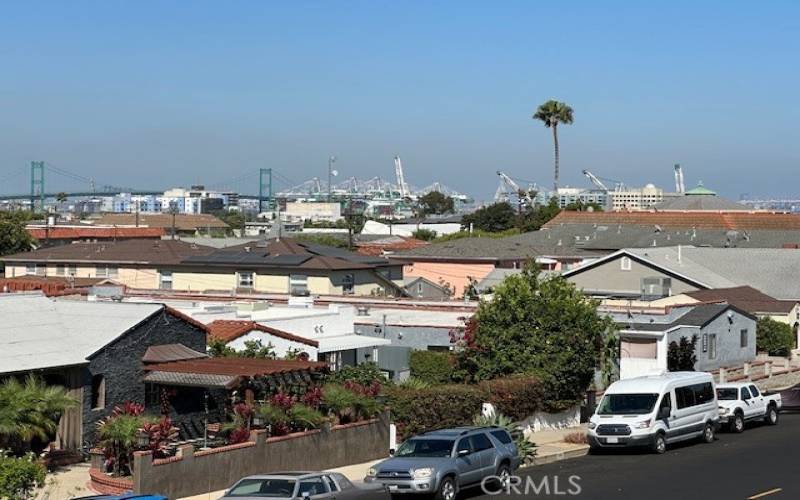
420, 447
627, 404
267, 488
727, 394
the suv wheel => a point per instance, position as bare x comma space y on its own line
659, 444
447, 489
708, 434
737, 424
503, 477
772, 415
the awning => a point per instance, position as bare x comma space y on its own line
349, 341
170, 352
192, 379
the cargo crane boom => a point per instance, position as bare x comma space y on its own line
597, 182
401, 179
680, 187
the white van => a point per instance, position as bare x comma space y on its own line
656, 410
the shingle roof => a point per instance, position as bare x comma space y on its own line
243, 367
229, 330
700, 202
698, 316
37, 332
714, 220
183, 222
164, 252
170, 352
746, 298
288, 253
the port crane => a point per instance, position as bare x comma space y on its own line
600, 184
508, 188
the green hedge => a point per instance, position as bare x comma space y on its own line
431, 366
421, 410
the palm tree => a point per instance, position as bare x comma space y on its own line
31, 409
551, 113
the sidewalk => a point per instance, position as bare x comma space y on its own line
550, 447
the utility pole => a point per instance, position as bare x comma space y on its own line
350, 223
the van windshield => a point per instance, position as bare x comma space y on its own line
627, 404
727, 394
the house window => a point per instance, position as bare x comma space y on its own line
625, 263
106, 272
298, 284
348, 284
712, 346
35, 270
61, 269
98, 392
165, 280
72, 270
705, 342
743, 338
245, 279
419, 289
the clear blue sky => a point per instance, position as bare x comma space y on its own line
174, 92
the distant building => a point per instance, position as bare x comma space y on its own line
185, 225
52, 235
314, 212
700, 199
635, 199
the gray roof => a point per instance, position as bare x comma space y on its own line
698, 316
694, 202
37, 332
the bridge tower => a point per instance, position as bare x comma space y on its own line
37, 184
265, 185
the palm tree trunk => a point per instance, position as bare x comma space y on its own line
555, 144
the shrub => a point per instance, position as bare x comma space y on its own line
414, 383
20, 476
431, 366
774, 338
518, 396
365, 374
576, 438
525, 449
339, 402
420, 410
424, 234
305, 417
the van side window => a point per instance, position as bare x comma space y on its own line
703, 393
754, 391
666, 402
684, 397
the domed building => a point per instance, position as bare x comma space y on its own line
699, 199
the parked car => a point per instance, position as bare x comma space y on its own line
654, 411
443, 462
295, 485
790, 398
742, 402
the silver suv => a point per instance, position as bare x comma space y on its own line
445, 461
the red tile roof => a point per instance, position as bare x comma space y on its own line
84, 233
700, 220
229, 330
183, 222
241, 367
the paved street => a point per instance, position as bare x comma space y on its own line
734, 467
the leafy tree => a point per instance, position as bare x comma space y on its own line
61, 197
542, 327
537, 216
436, 203
364, 374
30, 409
492, 218
19, 477
579, 206
328, 240
774, 338
424, 234
552, 113
218, 348
681, 355
14, 237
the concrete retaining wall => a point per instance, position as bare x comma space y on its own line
196, 472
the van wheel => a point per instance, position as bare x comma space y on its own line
737, 424
771, 418
659, 444
708, 434
447, 489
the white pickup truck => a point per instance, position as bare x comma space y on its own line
742, 402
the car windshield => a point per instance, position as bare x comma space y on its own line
727, 394
627, 404
425, 448
267, 488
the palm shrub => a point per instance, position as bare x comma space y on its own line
340, 402
118, 436
367, 407
414, 383
525, 449
31, 409
275, 417
305, 417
